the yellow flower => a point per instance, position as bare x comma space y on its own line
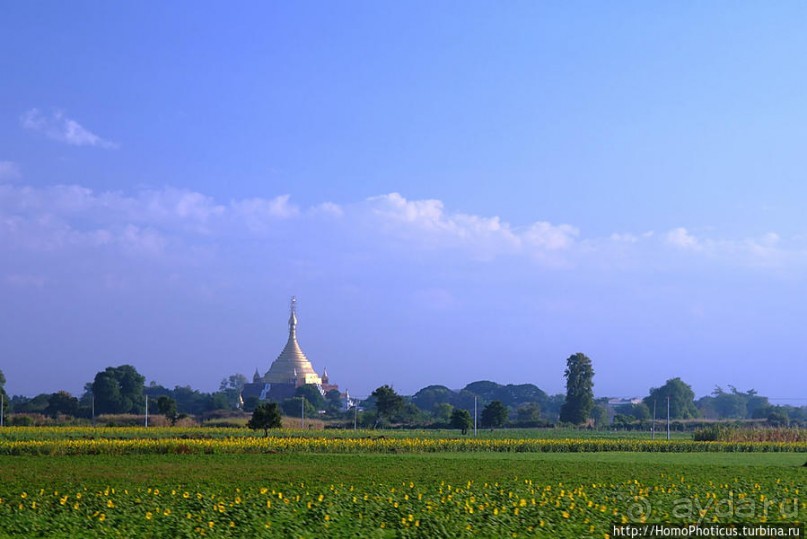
148, 515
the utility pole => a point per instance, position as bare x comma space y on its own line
653, 426
2, 405
92, 408
302, 412
147, 410
355, 415
668, 417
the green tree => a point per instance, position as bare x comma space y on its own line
250, 403
231, 387
731, 405
266, 416
443, 412
600, 416
333, 401
312, 395
168, 407
528, 413
292, 407
638, 411
62, 402
36, 405
430, 397
387, 402
494, 414
579, 390
778, 417
119, 390
682, 400
461, 419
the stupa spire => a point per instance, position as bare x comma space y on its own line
293, 318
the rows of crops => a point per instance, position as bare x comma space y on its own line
373, 445
512, 507
74, 482
85, 432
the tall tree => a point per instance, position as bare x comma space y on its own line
387, 402
682, 400
62, 402
119, 390
461, 419
266, 416
494, 414
579, 390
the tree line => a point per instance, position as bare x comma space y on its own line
122, 390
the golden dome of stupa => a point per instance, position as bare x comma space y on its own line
291, 366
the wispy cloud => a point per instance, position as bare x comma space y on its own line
428, 223
9, 171
59, 127
681, 238
166, 221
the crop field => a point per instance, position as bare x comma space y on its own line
381, 486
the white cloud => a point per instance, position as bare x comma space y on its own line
9, 171
163, 222
623, 238
328, 208
551, 237
680, 237
59, 127
259, 213
140, 241
427, 222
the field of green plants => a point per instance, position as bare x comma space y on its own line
306, 485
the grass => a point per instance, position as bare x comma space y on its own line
101, 470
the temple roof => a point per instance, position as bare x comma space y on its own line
291, 365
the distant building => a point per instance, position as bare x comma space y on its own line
289, 371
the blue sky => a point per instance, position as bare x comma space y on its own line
454, 191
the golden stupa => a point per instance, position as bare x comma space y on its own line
291, 366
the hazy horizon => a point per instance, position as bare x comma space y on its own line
454, 192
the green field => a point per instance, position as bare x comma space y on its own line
440, 494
